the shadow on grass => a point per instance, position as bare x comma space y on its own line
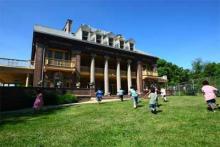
140, 105
23, 117
159, 111
160, 105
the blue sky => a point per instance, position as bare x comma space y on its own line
176, 30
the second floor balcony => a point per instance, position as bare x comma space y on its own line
58, 63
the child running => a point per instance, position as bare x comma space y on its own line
153, 100
134, 96
163, 94
38, 103
209, 95
121, 94
99, 95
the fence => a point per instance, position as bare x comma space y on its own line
192, 87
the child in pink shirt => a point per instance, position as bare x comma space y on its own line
209, 95
38, 103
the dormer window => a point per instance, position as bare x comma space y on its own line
85, 35
110, 41
117, 45
98, 38
49, 54
131, 46
121, 44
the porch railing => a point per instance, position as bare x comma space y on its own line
60, 63
149, 73
101, 70
16, 63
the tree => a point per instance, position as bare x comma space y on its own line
175, 74
210, 69
197, 68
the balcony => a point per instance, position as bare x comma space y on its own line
149, 73
51, 63
15, 63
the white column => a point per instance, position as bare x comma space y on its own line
27, 80
129, 74
106, 78
92, 69
118, 75
139, 77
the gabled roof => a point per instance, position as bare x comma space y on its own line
62, 34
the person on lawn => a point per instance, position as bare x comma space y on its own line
99, 95
209, 95
153, 100
38, 103
121, 94
157, 92
134, 97
163, 94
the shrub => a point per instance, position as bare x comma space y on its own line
57, 97
50, 97
66, 98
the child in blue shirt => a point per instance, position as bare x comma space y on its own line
99, 95
134, 96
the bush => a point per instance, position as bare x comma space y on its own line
66, 98
50, 97
57, 97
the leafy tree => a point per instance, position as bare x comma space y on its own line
200, 71
197, 68
174, 73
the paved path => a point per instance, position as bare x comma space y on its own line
92, 101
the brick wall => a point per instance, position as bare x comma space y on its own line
38, 64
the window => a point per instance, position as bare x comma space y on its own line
131, 46
121, 44
49, 54
85, 35
66, 56
144, 67
117, 45
98, 38
58, 55
149, 67
110, 41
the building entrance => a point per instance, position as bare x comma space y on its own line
112, 86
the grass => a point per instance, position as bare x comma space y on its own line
184, 121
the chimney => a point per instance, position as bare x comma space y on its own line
68, 26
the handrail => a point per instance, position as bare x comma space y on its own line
59, 62
149, 73
101, 70
16, 63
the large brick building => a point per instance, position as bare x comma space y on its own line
87, 58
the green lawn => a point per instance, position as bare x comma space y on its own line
184, 121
